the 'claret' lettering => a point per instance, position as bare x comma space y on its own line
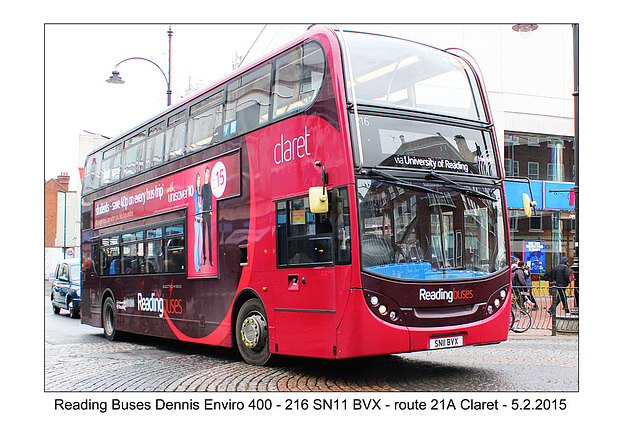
288, 150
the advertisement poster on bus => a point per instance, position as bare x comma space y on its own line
196, 189
533, 253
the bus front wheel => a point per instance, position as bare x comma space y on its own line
109, 319
252, 333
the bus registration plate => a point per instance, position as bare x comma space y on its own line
445, 342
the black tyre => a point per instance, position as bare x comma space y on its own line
73, 312
252, 333
56, 309
109, 323
521, 320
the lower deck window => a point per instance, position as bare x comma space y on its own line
153, 250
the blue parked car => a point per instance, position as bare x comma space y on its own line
65, 287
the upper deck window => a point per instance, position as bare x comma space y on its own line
248, 100
134, 154
299, 75
175, 136
399, 73
91, 172
205, 123
111, 165
155, 145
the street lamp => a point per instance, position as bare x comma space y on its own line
524, 29
116, 79
576, 87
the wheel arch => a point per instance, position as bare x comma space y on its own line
244, 296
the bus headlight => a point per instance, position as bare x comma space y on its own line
383, 309
496, 300
374, 300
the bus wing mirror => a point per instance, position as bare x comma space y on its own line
528, 205
318, 200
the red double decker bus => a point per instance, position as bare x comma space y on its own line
341, 197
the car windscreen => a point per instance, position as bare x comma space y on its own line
74, 272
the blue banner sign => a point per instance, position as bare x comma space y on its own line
549, 195
533, 253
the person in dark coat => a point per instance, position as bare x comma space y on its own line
561, 276
527, 275
519, 281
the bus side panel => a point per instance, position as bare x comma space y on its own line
305, 334
497, 329
360, 333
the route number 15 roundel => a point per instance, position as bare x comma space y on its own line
218, 179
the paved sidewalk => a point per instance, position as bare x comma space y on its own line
540, 333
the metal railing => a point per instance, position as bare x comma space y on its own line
556, 308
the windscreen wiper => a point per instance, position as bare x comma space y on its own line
397, 181
462, 188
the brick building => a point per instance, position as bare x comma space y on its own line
52, 190
61, 221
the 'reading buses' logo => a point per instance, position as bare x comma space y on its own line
159, 304
442, 295
287, 150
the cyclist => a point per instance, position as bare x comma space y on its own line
519, 285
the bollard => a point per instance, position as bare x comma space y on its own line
554, 305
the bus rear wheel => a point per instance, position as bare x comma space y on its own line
109, 319
252, 333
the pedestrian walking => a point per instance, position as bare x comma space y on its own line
561, 277
527, 274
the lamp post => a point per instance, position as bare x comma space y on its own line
115, 74
576, 87
524, 29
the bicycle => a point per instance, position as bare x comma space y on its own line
521, 320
